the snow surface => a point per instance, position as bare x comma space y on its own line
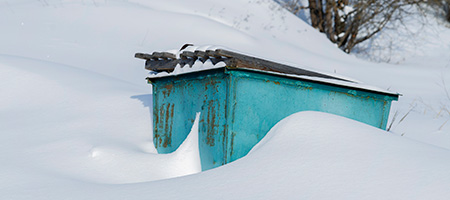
309, 155
196, 67
80, 125
76, 119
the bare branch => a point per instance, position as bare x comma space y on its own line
350, 22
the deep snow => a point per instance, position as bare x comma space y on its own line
76, 121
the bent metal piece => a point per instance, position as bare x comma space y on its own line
166, 62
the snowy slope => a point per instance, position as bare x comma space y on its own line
102, 36
75, 110
312, 155
79, 125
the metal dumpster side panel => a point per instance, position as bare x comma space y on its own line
238, 108
177, 99
261, 100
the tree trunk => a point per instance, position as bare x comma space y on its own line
339, 21
328, 23
348, 28
351, 42
316, 12
446, 6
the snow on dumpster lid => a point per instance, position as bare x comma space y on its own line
193, 59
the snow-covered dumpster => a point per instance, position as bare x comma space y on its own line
241, 97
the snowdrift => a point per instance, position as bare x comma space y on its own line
309, 155
61, 123
312, 155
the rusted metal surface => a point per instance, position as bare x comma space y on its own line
243, 61
166, 62
176, 100
259, 101
239, 107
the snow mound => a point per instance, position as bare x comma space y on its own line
62, 125
308, 155
312, 155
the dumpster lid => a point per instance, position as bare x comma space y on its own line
192, 59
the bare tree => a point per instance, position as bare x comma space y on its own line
442, 7
349, 22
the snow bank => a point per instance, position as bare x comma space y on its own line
61, 125
312, 155
308, 155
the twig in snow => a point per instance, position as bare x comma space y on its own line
406, 115
393, 120
443, 124
401, 120
145, 37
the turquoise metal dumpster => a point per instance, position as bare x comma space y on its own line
241, 97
